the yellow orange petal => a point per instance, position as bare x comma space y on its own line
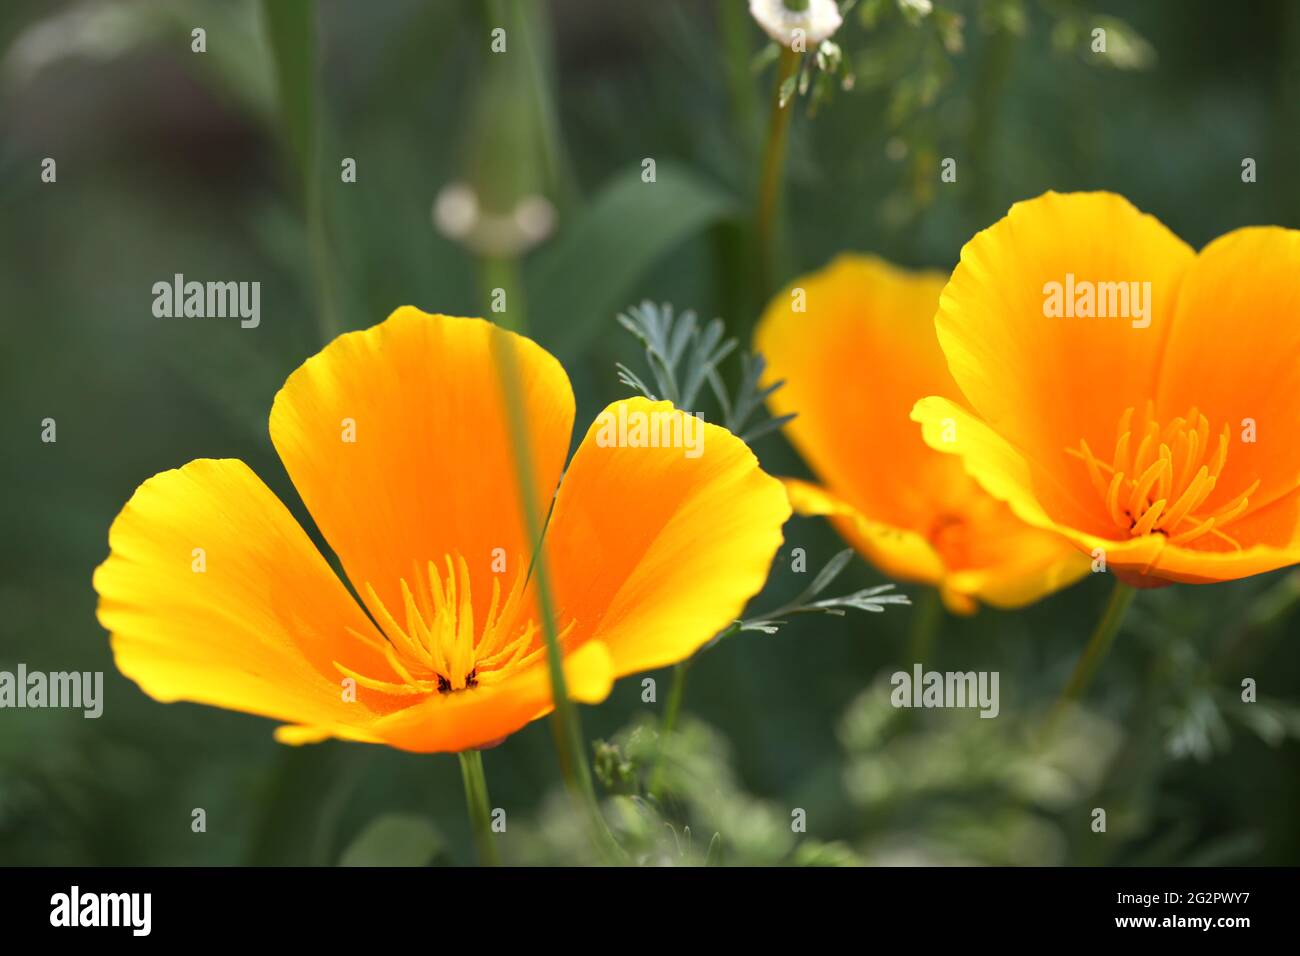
897, 552
214, 594
1026, 564
1001, 469
997, 560
430, 472
856, 347
1045, 382
1234, 353
655, 550
1010, 478
1151, 560
1194, 490
475, 718
958, 602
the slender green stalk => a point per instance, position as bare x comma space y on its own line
573, 761
925, 624
769, 186
532, 29
505, 272
506, 167
565, 723
992, 74
668, 725
502, 273
291, 32
1095, 651
735, 26
479, 805
328, 322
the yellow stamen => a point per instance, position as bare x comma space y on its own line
1094, 466
1175, 463
1149, 518
1139, 501
1190, 498
1166, 480
1200, 530
440, 650
1112, 497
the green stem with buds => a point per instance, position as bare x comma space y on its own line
669, 724
769, 187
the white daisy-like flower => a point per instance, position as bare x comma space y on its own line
785, 26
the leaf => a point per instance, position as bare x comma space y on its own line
817, 853
751, 435
291, 32
826, 575
868, 599
395, 839
632, 380
1126, 49
871, 599
788, 87
671, 341
237, 69
714, 855
592, 268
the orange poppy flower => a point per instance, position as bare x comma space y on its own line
398, 442
855, 344
1121, 389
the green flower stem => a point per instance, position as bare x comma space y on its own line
291, 32
329, 324
925, 624
1098, 645
506, 167
991, 78
565, 723
531, 28
769, 188
479, 805
500, 272
735, 27
672, 708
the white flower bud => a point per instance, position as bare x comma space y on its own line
458, 215
817, 22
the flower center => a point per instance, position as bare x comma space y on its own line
438, 649
948, 534
1159, 479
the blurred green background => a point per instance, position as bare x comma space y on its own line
225, 165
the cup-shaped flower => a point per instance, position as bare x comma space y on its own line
856, 347
397, 439
1118, 387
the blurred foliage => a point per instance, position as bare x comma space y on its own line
613, 243
713, 820
946, 786
171, 161
684, 356
393, 840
